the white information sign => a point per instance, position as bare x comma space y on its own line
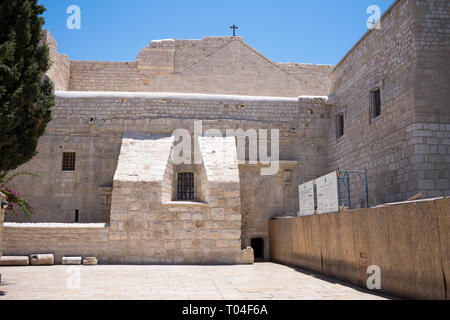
327, 193
306, 199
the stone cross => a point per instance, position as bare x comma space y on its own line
234, 27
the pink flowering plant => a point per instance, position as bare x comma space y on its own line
15, 200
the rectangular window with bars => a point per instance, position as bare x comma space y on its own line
68, 162
185, 189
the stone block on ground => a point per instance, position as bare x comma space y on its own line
71, 260
247, 256
90, 261
42, 259
14, 261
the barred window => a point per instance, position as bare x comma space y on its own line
185, 189
68, 162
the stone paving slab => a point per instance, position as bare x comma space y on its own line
261, 281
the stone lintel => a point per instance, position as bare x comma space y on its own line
185, 203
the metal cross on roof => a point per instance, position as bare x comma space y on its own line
234, 27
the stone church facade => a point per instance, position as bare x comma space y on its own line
108, 185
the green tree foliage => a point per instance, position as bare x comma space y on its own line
26, 94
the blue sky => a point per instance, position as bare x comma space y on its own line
305, 31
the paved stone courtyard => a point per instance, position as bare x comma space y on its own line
254, 282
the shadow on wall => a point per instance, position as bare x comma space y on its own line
409, 242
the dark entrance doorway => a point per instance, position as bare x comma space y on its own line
258, 247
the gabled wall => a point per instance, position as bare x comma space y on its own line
222, 65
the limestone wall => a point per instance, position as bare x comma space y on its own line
104, 76
429, 145
432, 70
159, 231
383, 58
143, 228
222, 65
430, 135
401, 158
59, 71
189, 52
62, 240
408, 242
173, 232
302, 123
266, 197
313, 78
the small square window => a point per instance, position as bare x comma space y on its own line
375, 103
340, 125
185, 190
68, 162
